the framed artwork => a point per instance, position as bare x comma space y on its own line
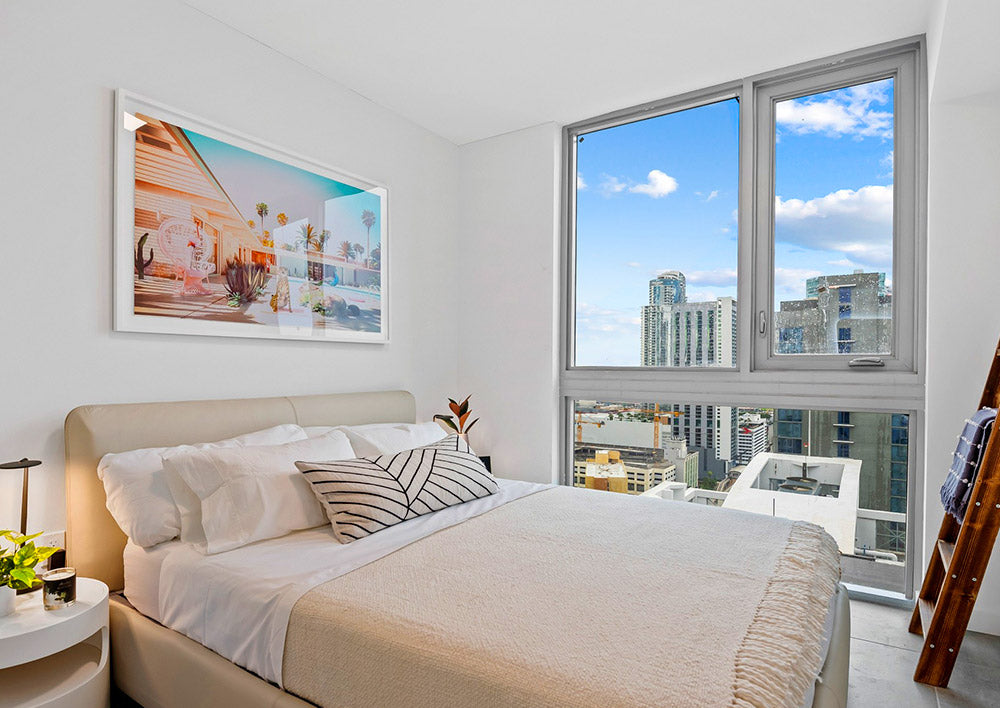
220, 234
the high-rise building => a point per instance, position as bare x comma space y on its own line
668, 288
848, 314
879, 440
751, 440
678, 333
841, 314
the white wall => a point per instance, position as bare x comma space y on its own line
506, 298
963, 320
62, 61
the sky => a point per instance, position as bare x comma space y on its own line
249, 178
661, 194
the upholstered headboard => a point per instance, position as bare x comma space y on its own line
94, 543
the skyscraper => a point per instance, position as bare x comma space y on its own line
848, 314
678, 333
841, 314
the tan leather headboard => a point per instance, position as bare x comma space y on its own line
94, 543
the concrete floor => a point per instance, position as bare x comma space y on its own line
884, 654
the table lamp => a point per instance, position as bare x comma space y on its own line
25, 464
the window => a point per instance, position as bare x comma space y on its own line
760, 238
836, 199
630, 448
655, 249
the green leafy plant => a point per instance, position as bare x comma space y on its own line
18, 561
457, 422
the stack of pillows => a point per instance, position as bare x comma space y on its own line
223, 495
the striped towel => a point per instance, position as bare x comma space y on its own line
957, 487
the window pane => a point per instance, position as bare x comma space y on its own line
833, 221
715, 455
656, 252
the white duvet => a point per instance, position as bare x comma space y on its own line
238, 603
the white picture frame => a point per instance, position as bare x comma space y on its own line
181, 178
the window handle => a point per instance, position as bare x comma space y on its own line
866, 361
762, 323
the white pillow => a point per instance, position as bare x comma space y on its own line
252, 493
377, 439
136, 488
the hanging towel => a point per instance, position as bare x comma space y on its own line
957, 487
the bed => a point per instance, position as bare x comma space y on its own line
535, 600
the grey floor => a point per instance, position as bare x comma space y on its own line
884, 654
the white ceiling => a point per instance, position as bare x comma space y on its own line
468, 69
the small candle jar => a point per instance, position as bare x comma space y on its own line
58, 588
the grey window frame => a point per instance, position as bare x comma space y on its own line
754, 381
903, 64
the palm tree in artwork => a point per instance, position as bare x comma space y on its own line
309, 238
368, 219
261, 212
345, 250
359, 251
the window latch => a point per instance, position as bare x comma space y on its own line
866, 361
762, 323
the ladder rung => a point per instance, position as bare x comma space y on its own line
926, 614
947, 550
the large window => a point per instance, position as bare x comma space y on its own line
656, 249
764, 460
760, 240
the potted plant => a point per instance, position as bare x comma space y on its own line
461, 412
17, 565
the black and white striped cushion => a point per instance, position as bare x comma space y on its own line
369, 494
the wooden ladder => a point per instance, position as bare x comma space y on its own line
956, 568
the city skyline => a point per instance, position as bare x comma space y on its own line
661, 194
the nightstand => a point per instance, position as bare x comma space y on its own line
57, 658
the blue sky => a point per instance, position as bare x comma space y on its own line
661, 194
249, 178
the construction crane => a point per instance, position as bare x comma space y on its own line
658, 416
580, 422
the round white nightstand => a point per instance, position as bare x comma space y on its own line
57, 658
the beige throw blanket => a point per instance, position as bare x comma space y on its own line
574, 598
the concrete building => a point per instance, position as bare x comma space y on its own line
678, 333
751, 439
879, 440
686, 461
842, 314
627, 470
668, 288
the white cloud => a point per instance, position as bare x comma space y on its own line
580, 184
658, 184
856, 223
712, 195
634, 264
611, 185
850, 111
719, 277
592, 318
790, 283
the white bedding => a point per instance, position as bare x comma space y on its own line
142, 575
215, 599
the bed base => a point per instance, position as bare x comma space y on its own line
160, 668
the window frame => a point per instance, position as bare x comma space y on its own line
571, 133
754, 382
902, 64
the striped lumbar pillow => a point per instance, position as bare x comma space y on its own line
369, 494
